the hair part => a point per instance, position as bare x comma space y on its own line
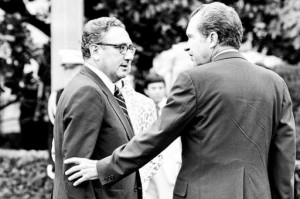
222, 19
94, 31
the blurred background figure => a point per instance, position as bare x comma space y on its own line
9, 118
142, 114
33, 123
155, 88
162, 183
170, 63
71, 62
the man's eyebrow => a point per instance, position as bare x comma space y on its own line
128, 44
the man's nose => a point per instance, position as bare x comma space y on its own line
129, 55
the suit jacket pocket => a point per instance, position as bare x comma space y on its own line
109, 193
180, 188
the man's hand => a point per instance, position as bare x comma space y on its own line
84, 170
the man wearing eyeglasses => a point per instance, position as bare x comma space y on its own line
89, 122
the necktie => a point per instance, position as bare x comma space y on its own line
157, 109
120, 99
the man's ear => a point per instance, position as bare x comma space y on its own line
213, 39
94, 50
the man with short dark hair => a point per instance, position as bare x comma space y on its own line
155, 88
234, 118
162, 183
89, 121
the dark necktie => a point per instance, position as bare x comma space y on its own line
120, 99
157, 109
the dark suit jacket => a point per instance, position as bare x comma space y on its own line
237, 129
89, 123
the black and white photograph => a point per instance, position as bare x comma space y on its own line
150, 99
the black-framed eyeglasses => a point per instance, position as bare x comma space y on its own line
123, 48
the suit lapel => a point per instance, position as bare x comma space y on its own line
111, 100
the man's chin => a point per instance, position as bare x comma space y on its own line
123, 75
124, 70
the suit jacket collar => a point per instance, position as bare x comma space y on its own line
228, 55
105, 79
111, 100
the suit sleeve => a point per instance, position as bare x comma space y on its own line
82, 120
283, 152
175, 117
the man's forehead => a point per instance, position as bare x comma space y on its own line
192, 25
117, 35
190, 30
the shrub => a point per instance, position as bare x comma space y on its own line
23, 175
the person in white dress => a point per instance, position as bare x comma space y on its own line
142, 114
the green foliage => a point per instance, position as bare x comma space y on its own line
289, 26
289, 20
23, 175
274, 26
16, 49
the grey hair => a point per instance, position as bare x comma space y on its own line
94, 31
222, 19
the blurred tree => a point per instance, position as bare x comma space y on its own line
19, 7
274, 26
17, 48
18, 53
288, 31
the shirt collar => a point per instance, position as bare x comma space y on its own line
120, 84
110, 85
225, 51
